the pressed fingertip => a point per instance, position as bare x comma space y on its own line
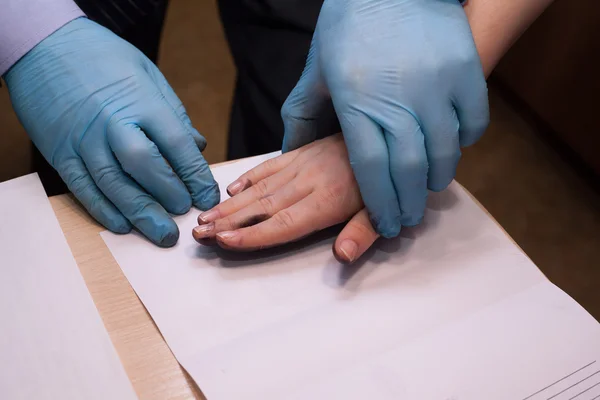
168, 239
386, 228
163, 232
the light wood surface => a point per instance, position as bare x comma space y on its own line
148, 361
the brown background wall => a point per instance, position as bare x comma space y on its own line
555, 69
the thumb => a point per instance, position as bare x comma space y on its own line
304, 105
356, 238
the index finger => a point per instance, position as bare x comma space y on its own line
287, 225
172, 138
368, 154
136, 205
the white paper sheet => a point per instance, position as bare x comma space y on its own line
450, 310
53, 344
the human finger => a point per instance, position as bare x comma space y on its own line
256, 212
408, 166
141, 159
260, 189
355, 238
134, 203
368, 154
175, 143
287, 225
260, 172
75, 174
443, 147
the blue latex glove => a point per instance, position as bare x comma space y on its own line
105, 117
408, 88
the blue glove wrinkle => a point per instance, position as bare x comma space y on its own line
91, 103
443, 151
182, 153
75, 175
141, 159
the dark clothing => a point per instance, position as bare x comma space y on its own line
269, 41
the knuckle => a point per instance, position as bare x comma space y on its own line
361, 229
178, 139
284, 219
467, 58
261, 189
136, 156
446, 157
351, 76
138, 208
226, 224
271, 164
331, 195
286, 109
368, 161
104, 175
411, 163
476, 127
267, 204
76, 183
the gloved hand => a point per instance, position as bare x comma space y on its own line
105, 117
408, 88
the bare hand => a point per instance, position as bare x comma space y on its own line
289, 197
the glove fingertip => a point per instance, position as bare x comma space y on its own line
181, 206
386, 227
438, 186
164, 233
169, 238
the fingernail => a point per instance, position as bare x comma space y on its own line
208, 216
235, 187
349, 249
227, 235
203, 231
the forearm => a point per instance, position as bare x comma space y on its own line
25, 23
496, 25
